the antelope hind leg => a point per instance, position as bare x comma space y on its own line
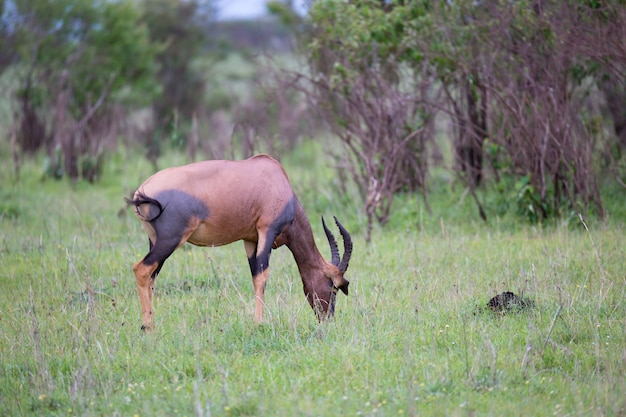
145, 287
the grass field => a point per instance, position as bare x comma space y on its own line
413, 338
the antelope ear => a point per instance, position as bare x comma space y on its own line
332, 272
344, 288
342, 284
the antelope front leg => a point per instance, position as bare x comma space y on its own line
260, 271
145, 286
259, 282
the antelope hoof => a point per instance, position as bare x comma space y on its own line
147, 327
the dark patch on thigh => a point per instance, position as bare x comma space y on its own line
160, 251
179, 208
260, 263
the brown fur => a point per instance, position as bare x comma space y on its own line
215, 203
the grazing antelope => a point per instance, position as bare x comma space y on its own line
215, 203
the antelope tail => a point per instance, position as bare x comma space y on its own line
139, 199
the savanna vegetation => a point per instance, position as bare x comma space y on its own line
470, 149
414, 337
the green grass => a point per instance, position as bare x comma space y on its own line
413, 338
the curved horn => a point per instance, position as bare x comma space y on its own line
334, 249
347, 244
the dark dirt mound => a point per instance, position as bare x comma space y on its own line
508, 301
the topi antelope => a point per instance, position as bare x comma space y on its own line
215, 203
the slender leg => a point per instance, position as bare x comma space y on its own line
259, 278
147, 270
145, 286
259, 282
